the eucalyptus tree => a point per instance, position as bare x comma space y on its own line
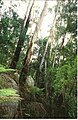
27, 59
63, 79
21, 40
65, 26
51, 36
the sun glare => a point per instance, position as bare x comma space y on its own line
21, 7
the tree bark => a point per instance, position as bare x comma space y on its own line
42, 15
61, 46
26, 63
29, 53
52, 30
21, 40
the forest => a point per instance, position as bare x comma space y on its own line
38, 59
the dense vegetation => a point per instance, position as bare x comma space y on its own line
47, 82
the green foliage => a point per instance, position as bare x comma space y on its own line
63, 79
8, 92
67, 19
10, 26
4, 69
51, 81
71, 105
36, 90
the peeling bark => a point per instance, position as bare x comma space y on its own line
22, 36
50, 39
26, 63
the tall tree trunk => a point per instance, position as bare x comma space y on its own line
61, 46
50, 38
26, 63
42, 15
46, 81
52, 30
44, 55
21, 40
22, 81
29, 52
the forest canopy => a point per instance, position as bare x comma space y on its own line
38, 58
